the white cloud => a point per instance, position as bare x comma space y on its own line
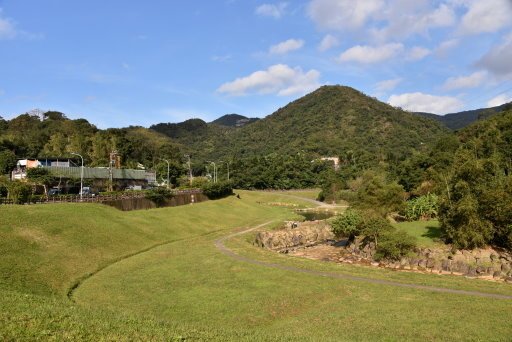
382, 20
417, 53
328, 42
446, 46
420, 102
342, 14
286, 46
499, 100
368, 54
125, 66
387, 85
405, 18
497, 60
471, 81
278, 79
7, 28
272, 10
486, 16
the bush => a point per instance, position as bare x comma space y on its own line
373, 227
347, 224
217, 190
19, 191
423, 207
158, 195
394, 245
389, 243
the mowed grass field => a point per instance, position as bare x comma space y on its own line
157, 275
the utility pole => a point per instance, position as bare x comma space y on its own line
81, 175
168, 167
112, 162
189, 169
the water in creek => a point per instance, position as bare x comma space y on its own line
313, 215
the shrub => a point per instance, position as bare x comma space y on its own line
373, 227
394, 245
19, 192
423, 207
217, 190
158, 195
347, 224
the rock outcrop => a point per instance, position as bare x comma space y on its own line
482, 263
294, 235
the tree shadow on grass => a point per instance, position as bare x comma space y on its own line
433, 233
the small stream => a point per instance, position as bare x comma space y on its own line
313, 215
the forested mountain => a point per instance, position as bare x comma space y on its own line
456, 121
234, 120
332, 121
335, 121
196, 137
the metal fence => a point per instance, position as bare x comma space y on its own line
92, 199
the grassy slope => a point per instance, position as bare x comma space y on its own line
187, 288
426, 232
46, 248
307, 193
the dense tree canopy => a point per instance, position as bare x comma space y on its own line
55, 136
476, 207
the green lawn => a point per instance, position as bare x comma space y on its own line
307, 193
186, 289
428, 233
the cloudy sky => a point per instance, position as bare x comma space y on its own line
123, 62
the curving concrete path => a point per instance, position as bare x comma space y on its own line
219, 243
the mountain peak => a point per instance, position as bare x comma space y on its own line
234, 120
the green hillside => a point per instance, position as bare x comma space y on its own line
195, 136
332, 121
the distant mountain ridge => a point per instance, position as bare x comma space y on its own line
234, 120
456, 121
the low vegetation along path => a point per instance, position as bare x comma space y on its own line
219, 243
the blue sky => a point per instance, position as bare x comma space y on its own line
119, 63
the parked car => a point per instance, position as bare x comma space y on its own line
88, 191
134, 187
54, 192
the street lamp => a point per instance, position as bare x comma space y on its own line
214, 171
168, 166
81, 175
